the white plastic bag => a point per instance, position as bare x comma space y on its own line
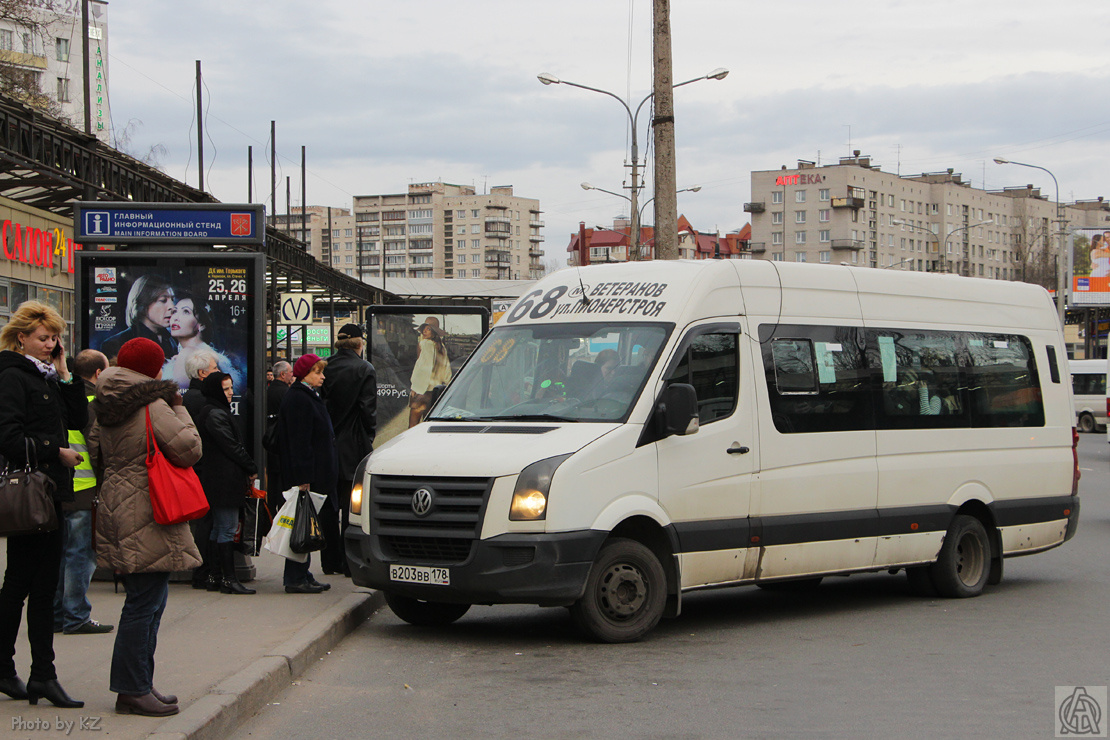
277, 541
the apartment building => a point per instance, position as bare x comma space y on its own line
49, 60
854, 213
440, 230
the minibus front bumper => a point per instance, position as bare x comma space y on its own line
543, 569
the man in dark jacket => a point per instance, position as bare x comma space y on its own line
72, 610
275, 393
351, 394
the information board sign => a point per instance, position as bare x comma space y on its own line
169, 223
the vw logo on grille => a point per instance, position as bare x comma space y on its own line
422, 502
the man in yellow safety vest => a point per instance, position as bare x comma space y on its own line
72, 610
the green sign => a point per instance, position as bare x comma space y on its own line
316, 334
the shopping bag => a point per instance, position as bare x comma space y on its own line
254, 524
277, 540
306, 536
176, 495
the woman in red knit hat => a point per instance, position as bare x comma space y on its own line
128, 540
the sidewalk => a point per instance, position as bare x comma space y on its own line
224, 656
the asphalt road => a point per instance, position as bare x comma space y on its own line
857, 657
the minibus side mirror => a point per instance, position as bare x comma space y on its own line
679, 408
435, 394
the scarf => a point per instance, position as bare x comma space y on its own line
48, 371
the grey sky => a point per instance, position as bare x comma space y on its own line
387, 93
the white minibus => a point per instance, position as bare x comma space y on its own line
1088, 387
629, 433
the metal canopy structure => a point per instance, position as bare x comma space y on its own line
49, 165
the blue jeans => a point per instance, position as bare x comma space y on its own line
225, 520
71, 602
137, 633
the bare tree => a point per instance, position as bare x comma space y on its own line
1034, 258
29, 22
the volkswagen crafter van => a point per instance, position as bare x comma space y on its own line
629, 433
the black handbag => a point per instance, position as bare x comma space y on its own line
26, 497
306, 535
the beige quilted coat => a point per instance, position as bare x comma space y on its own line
128, 540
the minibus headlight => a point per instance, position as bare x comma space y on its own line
356, 487
532, 486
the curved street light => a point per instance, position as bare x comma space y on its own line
549, 79
1061, 309
967, 228
915, 227
635, 232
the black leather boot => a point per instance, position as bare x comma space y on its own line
53, 692
213, 579
230, 583
13, 687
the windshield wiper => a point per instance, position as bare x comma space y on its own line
530, 417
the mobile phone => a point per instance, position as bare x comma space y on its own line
57, 351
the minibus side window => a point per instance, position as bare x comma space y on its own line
817, 378
1003, 386
711, 365
917, 379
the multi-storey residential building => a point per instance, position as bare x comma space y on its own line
49, 59
439, 230
854, 213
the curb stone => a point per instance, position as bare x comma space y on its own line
218, 713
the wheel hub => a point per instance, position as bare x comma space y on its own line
623, 591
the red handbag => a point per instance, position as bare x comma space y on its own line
176, 495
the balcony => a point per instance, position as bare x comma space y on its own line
535, 238
536, 224
855, 244
849, 202
755, 207
757, 247
497, 220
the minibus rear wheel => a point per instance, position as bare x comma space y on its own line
1086, 423
964, 563
626, 592
425, 613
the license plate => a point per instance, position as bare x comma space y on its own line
420, 574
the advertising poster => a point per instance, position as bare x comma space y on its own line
1090, 267
186, 302
414, 349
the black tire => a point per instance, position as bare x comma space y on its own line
964, 563
921, 584
1086, 423
626, 592
425, 613
795, 586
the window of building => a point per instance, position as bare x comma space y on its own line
799, 237
474, 213
7, 39
823, 216
335, 234
776, 237
890, 200
347, 232
28, 44
799, 196
776, 217
799, 217
476, 273
63, 90
776, 196
475, 228
826, 257
350, 258
777, 256
824, 235
61, 50
823, 194
800, 257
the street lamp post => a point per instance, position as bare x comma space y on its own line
634, 236
1061, 308
967, 228
914, 227
549, 79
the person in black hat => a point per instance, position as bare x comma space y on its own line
351, 394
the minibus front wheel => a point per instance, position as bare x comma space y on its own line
425, 613
964, 564
626, 593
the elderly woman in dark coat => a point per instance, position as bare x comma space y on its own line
226, 472
306, 448
38, 402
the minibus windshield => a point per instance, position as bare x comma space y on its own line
562, 372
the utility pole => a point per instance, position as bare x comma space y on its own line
200, 130
666, 199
